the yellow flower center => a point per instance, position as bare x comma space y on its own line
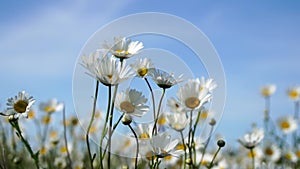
31, 114
127, 107
288, 156
252, 155
109, 76
144, 136
46, 119
269, 151
265, 92
167, 158
192, 102
63, 149
298, 153
93, 129
20, 106
49, 109
285, 125
162, 121
43, 151
180, 147
142, 71
53, 134
122, 51
293, 94
204, 115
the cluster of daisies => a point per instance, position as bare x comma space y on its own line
154, 144
277, 143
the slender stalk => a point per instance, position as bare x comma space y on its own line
158, 111
102, 155
296, 116
65, 140
212, 161
34, 156
90, 124
113, 130
253, 158
193, 133
190, 144
184, 147
267, 113
152, 96
137, 146
110, 125
206, 145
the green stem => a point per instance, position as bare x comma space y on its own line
110, 125
102, 155
137, 146
65, 139
90, 124
190, 142
253, 158
185, 155
152, 96
158, 111
206, 145
34, 156
212, 161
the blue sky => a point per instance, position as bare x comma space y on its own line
257, 41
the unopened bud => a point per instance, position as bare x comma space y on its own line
126, 120
212, 122
221, 143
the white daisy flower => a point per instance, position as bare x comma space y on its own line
132, 102
162, 146
60, 162
51, 106
124, 48
177, 121
290, 155
294, 92
142, 66
144, 131
268, 90
222, 164
287, 124
19, 105
175, 106
89, 62
110, 72
163, 79
252, 139
209, 84
192, 96
272, 152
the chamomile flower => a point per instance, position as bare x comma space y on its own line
177, 121
252, 139
89, 62
163, 79
19, 105
132, 102
287, 124
209, 84
144, 131
110, 72
294, 92
60, 162
51, 106
290, 155
192, 96
175, 106
271, 152
124, 48
268, 90
163, 146
142, 67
